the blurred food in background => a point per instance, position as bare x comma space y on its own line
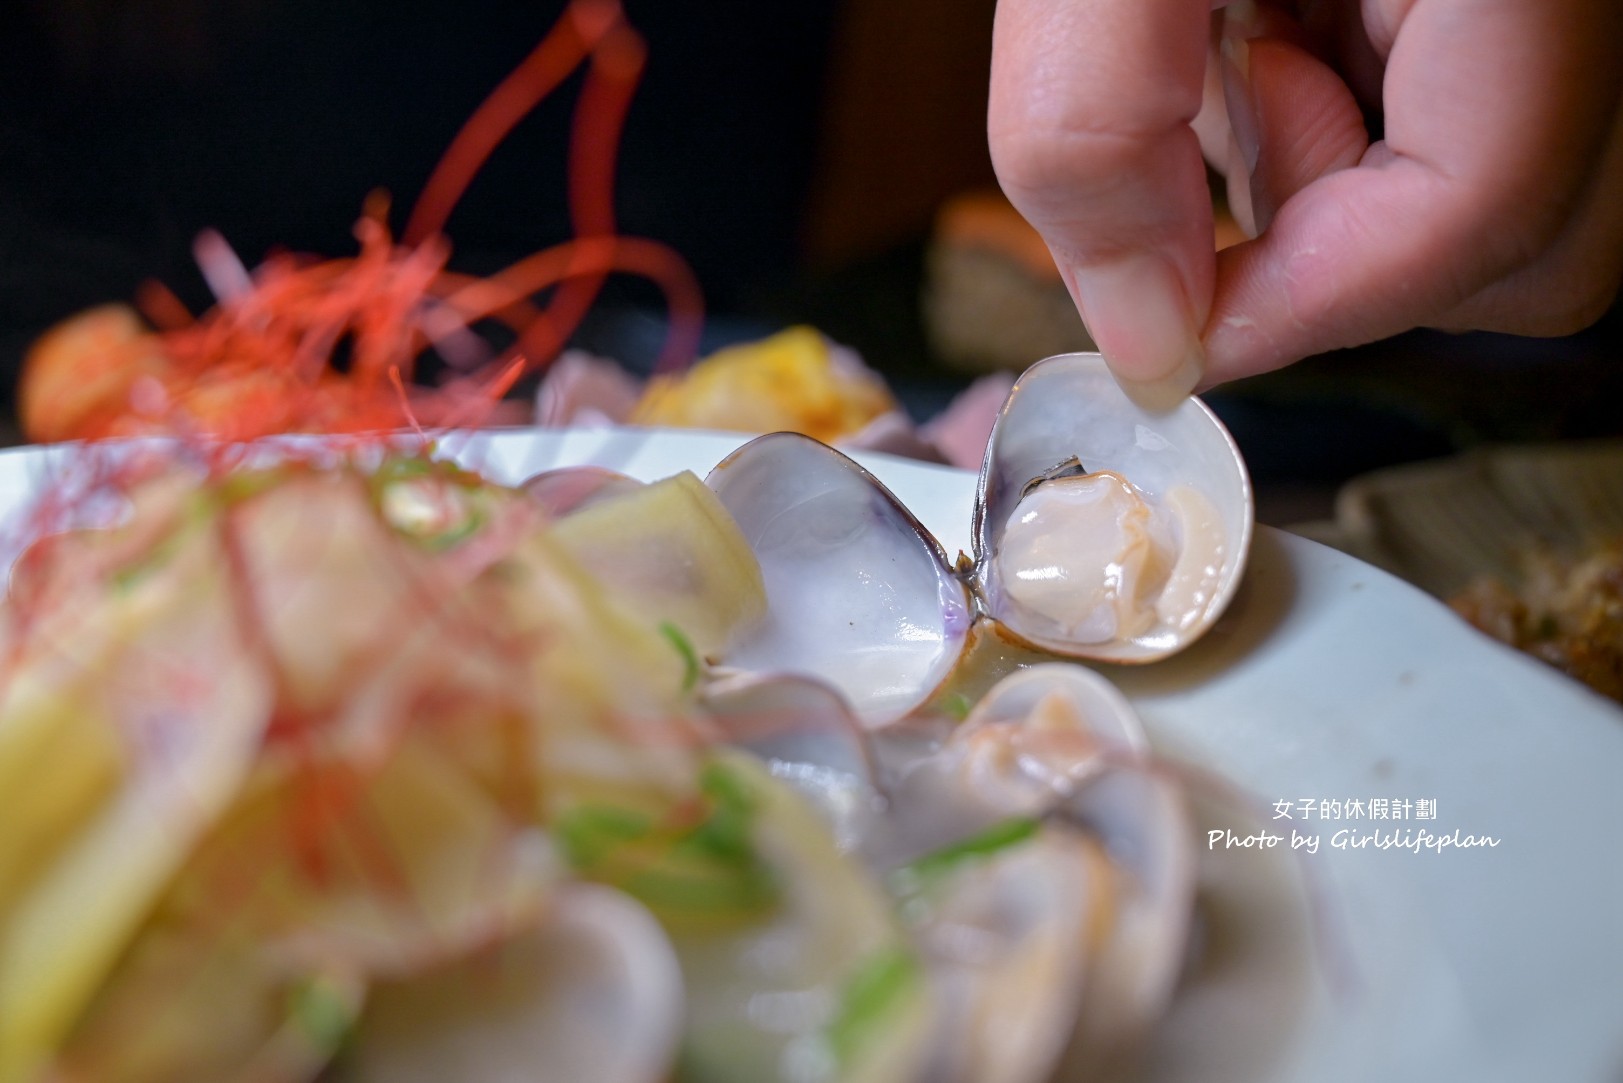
1446, 523
1524, 541
993, 297
305, 344
811, 171
797, 380
127, 132
1564, 611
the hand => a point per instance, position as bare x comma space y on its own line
1494, 202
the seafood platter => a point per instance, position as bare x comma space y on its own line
532, 754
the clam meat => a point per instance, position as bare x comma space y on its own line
1103, 530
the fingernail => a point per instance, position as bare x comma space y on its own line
1159, 396
1245, 124
1242, 107
1238, 189
1143, 324
1241, 19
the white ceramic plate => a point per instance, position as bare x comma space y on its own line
1331, 680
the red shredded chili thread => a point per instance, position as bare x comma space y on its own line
262, 360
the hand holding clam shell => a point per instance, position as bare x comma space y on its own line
1102, 530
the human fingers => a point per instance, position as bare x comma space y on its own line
1088, 124
1496, 118
1243, 19
1292, 120
1575, 279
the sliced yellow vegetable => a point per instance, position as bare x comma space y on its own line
59, 761
605, 694
191, 1003
143, 712
379, 870
333, 585
188, 742
673, 555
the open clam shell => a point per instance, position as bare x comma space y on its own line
859, 594
1007, 941
806, 734
1059, 741
1142, 819
594, 991
1096, 705
1038, 736
1104, 530
570, 488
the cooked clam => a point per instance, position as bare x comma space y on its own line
1059, 739
807, 736
859, 594
1044, 865
1101, 530
1140, 816
1006, 940
1039, 735
1104, 530
594, 989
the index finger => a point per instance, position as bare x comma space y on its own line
1089, 127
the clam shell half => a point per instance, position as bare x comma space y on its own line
1154, 511
859, 594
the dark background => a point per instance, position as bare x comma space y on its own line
793, 153
127, 128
